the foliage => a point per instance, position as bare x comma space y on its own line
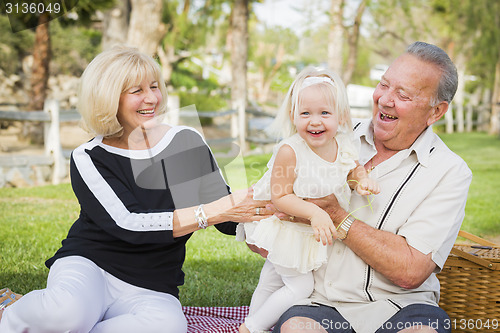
264, 45
467, 27
194, 25
193, 88
13, 46
475, 28
202, 101
187, 77
71, 55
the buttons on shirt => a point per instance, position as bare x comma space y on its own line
149, 222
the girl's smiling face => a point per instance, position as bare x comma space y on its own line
316, 120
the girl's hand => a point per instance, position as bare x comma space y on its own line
263, 253
367, 186
324, 229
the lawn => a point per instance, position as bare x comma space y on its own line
219, 270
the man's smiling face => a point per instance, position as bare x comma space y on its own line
402, 107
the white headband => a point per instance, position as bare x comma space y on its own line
309, 81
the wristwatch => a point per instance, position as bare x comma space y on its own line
344, 227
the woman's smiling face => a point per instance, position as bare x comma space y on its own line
138, 104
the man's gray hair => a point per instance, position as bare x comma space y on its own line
449, 77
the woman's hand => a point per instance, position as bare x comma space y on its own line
239, 207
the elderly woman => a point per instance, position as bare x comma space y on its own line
143, 187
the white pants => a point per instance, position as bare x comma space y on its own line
81, 297
278, 289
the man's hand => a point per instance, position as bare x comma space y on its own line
330, 205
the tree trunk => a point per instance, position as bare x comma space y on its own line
116, 23
167, 59
41, 60
353, 40
39, 78
167, 52
267, 78
146, 28
336, 36
239, 55
495, 103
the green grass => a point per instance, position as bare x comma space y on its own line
482, 154
219, 270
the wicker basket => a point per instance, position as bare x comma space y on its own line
470, 286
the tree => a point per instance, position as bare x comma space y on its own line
171, 51
353, 42
472, 28
239, 56
41, 61
146, 29
115, 24
268, 51
336, 38
188, 31
42, 46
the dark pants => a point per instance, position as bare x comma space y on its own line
416, 315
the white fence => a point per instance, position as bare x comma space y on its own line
57, 159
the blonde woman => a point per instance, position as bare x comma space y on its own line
143, 188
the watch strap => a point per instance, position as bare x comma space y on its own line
345, 225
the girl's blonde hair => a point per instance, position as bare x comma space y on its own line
107, 76
335, 94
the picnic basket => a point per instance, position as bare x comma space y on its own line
470, 286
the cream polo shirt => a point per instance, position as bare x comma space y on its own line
423, 191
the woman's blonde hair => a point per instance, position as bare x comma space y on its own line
335, 94
107, 76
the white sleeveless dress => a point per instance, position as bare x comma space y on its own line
292, 245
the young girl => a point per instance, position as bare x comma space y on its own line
314, 160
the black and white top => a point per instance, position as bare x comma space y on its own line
127, 199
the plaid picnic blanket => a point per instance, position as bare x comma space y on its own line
214, 319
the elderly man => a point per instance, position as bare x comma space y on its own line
381, 276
